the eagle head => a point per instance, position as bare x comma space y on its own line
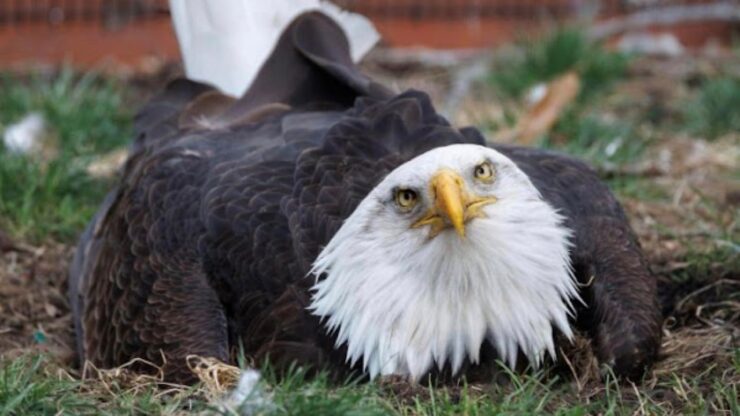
454, 248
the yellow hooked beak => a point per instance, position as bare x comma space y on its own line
453, 205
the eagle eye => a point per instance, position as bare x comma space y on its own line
484, 172
406, 198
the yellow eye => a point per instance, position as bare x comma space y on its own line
484, 172
406, 198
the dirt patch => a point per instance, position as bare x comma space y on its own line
34, 311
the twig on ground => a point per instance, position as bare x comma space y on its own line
682, 302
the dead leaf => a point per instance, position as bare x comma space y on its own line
545, 111
543, 115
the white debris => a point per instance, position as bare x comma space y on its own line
248, 398
26, 135
536, 94
613, 146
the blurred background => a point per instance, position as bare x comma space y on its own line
646, 91
133, 32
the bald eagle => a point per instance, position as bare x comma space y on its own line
322, 219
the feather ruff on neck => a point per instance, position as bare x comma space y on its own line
404, 302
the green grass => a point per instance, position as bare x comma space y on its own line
601, 142
24, 389
636, 187
89, 117
707, 264
716, 110
30, 385
563, 50
298, 394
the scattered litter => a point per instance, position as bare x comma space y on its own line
32, 136
39, 337
107, 165
613, 146
247, 398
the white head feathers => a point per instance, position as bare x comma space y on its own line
407, 293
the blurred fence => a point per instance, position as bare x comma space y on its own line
18, 12
55, 12
87, 30
457, 9
524, 9
15, 12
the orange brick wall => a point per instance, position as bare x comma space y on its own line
86, 38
